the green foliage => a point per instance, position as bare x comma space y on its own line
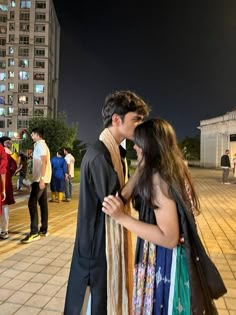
78, 151
190, 148
131, 153
56, 133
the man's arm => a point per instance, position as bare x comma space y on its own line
43, 171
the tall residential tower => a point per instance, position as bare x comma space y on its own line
29, 63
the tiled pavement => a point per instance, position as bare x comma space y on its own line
33, 277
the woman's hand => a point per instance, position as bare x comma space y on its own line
113, 206
3, 195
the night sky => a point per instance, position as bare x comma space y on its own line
180, 56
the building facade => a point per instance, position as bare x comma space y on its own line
29, 63
217, 135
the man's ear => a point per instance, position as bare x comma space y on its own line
116, 120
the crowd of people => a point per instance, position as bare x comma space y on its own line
35, 172
170, 269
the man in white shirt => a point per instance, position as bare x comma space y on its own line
70, 161
41, 178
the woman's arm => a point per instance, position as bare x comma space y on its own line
127, 190
165, 234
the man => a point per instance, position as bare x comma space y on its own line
100, 252
41, 177
225, 165
70, 160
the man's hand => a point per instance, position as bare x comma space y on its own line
41, 184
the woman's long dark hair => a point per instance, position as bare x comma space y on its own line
157, 139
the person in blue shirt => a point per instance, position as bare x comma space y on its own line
59, 175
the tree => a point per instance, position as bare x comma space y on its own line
190, 148
78, 151
56, 133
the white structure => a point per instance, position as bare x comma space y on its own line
217, 135
29, 63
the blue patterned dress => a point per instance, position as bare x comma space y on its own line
161, 282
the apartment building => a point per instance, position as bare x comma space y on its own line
29, 63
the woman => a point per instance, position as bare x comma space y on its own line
161, 272
22, 170
59, 175
9, 200
234, 165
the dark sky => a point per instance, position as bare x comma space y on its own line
180, 56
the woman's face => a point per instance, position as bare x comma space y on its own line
7, 144
139, 152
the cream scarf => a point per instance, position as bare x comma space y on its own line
118, 245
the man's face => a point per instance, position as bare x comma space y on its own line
34, 136
130, 122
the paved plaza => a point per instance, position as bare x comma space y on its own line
33, 277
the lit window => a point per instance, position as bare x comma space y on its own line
10, 74
3, 7
23, 99
2, 88
24, 75
2, 99
2, 64
2, 76
3, 29
11, 62
24, 63
11, 50
9, 99
10, 110
10, 86
38, 100
25, 4
39, 88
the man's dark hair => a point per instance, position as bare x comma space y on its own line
121, 103
61, 152
38, 130
67, 150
